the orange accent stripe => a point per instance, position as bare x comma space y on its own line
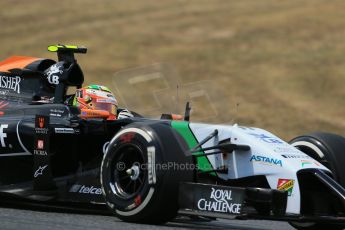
16, 62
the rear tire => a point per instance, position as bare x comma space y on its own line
328, 149
145, 188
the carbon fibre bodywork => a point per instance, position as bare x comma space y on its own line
74, 155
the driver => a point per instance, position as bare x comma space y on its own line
96, 101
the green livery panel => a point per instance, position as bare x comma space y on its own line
182, 127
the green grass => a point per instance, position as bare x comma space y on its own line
283, 62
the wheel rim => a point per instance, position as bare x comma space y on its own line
128, 177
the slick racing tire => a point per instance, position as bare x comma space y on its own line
140, 173
328, 149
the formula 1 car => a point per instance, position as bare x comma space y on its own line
150, 170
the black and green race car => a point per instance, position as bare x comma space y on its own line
150, 170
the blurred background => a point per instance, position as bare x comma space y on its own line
278, 65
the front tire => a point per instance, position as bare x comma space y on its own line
328, 149
137, 177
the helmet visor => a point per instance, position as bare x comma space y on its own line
111, 108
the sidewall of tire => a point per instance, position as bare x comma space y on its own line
161, 202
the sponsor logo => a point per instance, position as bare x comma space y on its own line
64, 130
40, 148
308, 162
287, 149
41, 131
125, 138
285, 185
267, 139
52, 72
111, 101
11, 83
56, 113
3, 135
151, 164
40, 144
53, 79
41, 122
220, 201
90, 113
40, 126
40, 170
85, 189
266, 160
296, 156
40, 152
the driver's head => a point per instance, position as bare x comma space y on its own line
96, 97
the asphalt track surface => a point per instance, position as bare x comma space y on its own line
19, 218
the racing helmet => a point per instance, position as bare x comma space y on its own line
97, 99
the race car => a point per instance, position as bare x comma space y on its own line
150, 170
